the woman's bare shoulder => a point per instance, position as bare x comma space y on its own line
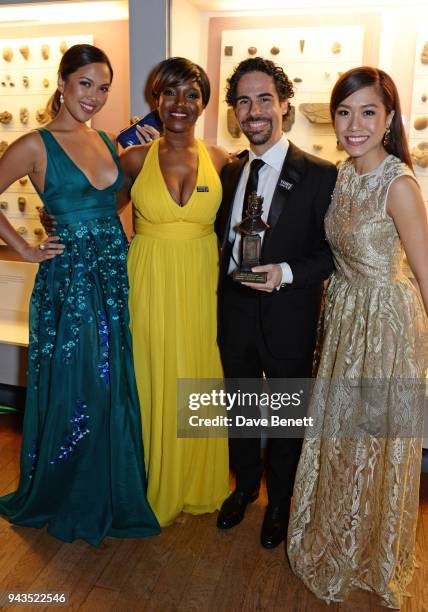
132, 159
219, 156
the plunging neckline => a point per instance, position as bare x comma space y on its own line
173, 201
80, 169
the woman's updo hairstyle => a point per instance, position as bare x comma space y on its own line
74, 58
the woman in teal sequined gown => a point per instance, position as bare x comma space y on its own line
82, 462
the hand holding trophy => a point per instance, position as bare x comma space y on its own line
250, 229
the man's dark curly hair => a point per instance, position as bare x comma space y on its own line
283, 85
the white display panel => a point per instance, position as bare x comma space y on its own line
316, 55
27, 81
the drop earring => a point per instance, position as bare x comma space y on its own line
61, 99
387, 136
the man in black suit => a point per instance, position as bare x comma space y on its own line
269, 329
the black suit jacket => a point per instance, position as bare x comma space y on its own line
296, 236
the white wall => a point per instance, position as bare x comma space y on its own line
189, 36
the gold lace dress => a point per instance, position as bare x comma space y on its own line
355, 503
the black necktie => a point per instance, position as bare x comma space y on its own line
252, 182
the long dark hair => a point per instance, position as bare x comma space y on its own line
365, 76
74, 58
175, 71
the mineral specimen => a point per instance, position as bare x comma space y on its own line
4, 205
42, 115
63, 47
3, 146
22, 203
252, 50
45, 50
7, 54
424, 54
6, 117
24, 51
228, 50
24, 115
419, 154
45, 82
25, 81
336, 48
421, 123
21, 229
275, 50
232, 124
316, 112
23, 180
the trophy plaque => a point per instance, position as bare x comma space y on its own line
251, 243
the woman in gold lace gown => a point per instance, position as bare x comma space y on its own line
355, 504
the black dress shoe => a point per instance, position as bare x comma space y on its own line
233, 508
274, 528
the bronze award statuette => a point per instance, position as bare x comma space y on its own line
251, 243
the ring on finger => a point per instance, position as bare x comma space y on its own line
42, 246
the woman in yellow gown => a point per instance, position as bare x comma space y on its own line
173, 273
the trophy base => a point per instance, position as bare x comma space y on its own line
250, 277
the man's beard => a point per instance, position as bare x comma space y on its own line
259, 137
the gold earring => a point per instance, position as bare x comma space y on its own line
387, 136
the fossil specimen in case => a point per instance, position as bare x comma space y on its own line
22, 203
297, 80
275, 50
424, 54
421, 123
316, 112
42, 115
25, 81
228, 50
45, 50
63, 46
24, 51
419, 154
8, 54
252, 50
24, 115
302, 45
3, 146
336, 48
424, 97
45, 82
6, 117
232, 124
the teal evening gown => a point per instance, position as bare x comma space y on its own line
82, 460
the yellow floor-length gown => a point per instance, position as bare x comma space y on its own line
173, 273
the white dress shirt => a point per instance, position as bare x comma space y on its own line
268, 180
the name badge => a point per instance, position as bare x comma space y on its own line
202, 188
286, 185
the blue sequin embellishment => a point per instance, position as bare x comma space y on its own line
77, 435
33, 456
104, 366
